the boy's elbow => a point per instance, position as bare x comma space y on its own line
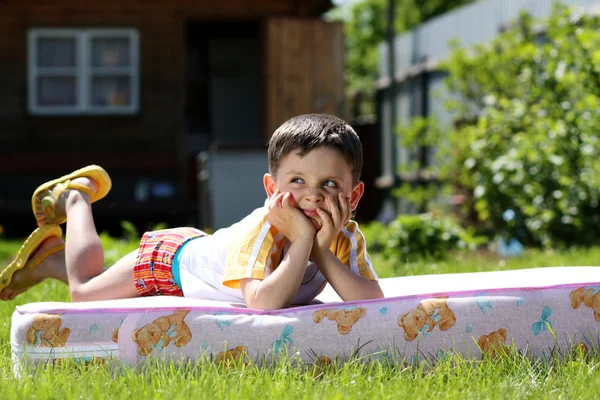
261, 301
264, 305
378, 293
259, 297
373, 291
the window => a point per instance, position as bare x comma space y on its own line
83, 71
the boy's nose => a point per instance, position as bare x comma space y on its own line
313, 195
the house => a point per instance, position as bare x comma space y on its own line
175, 99
416, 86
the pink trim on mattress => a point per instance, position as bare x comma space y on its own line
242, 310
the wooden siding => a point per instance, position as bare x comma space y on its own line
161, 76
154, 141
304, 69
161, 26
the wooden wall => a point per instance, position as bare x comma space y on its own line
304, 69
161, 25
152, 142
161, 73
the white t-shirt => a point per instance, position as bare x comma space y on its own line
211, 267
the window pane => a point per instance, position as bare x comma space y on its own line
56, 52
111, 91
56, 91
110, 52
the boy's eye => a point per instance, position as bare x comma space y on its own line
331, 184
297, 180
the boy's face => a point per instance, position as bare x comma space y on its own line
321, 173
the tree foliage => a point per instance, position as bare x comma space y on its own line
365, 28
527, 145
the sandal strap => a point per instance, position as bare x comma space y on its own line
41, 257
81, 188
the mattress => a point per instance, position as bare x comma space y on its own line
542, 311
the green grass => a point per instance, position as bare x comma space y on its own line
513, 376
486, 261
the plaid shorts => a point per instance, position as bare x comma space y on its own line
152, 272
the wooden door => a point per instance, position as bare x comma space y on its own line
304, 69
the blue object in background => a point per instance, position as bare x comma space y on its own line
508, 215
510, 248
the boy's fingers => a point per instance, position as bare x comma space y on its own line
345, 207
293, 201
335, 211
343, 203
274, 194
276, 202
325, 217
273, 201
285, 202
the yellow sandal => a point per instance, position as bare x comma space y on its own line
49, 192
33, 242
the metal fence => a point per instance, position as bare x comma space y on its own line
472, 24
418, 88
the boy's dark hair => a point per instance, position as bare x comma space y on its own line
310, 131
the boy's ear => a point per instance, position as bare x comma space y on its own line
269, 183
357, 193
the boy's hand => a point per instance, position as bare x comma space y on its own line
332, 222
287, 218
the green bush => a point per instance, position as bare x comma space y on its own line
528, 139
411, 237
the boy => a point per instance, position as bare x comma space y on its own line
281, 254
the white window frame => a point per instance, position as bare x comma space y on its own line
83, 71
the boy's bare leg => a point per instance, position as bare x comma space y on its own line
84, 256
52, 266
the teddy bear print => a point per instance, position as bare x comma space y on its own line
157, 334
425, 317
232, 356
494, 343
320, 365
115, 333
324, 361
589, 297
345, 317
45, 331
579, 350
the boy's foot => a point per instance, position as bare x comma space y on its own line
41, 256
51, 209
47, 201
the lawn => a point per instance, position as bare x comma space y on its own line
510, 377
